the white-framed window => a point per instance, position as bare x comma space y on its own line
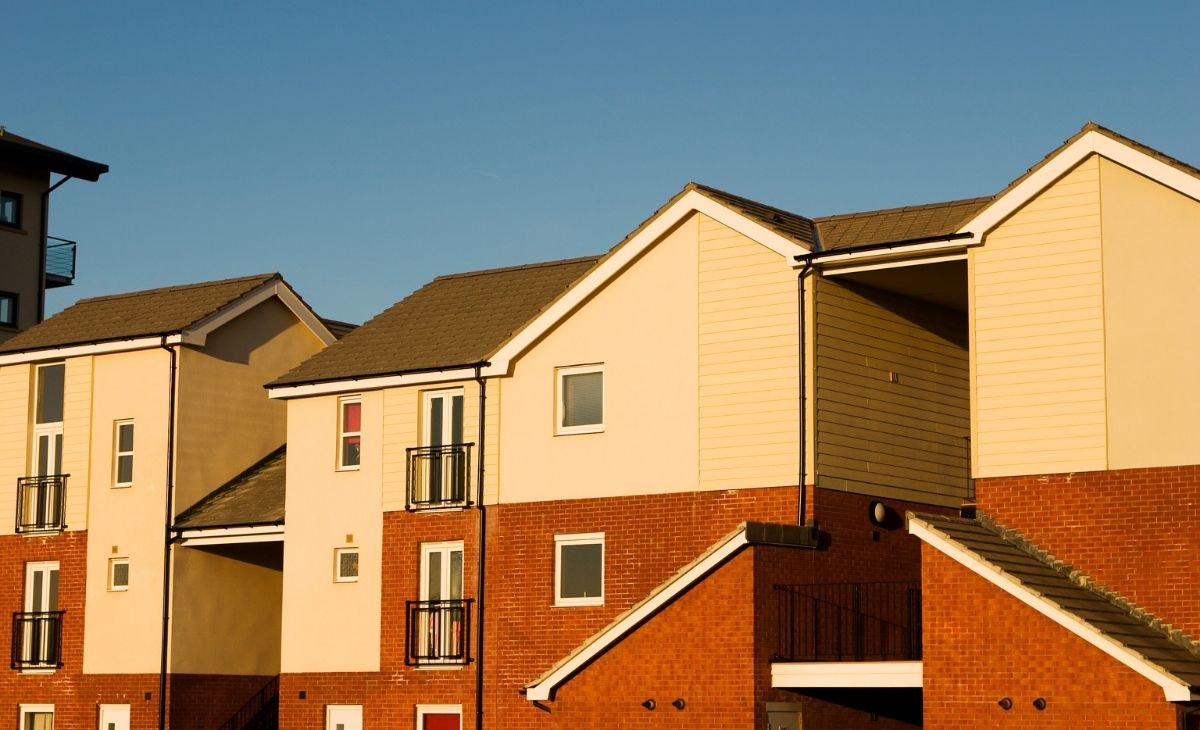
579, 569
439, 717
345, 565
48, 419
38, 631
123, 453
37, 717
349, 432
118, 574
442, 571
343, 717
580, 399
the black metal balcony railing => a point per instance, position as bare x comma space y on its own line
439, 476
37, 640
438, 632
41, 502
838, 622
60, 262
261, 712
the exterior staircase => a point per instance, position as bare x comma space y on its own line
261, 712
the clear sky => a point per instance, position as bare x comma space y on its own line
364, 148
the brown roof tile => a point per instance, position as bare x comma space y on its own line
791, 225
26, 151
454, 320
896, 224
254, 497
135, 314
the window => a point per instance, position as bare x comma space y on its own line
441, 571
8, 309
10, 209
118, 574
350, 428
437, 625
37, 635
345, 565
123, 454
37, 717
579, 569
580, 399
47, 421
439, 717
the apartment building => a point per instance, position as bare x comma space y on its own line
33, 260
118, 414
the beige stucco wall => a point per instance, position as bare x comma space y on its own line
227, 422
127, 522
643, 327
1151, 311
227, 618
327, 509
1037, 335
21, 246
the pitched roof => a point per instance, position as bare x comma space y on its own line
16, 148
1011, 561
454, 320
254, 497
791, 225
896, 224
135, 314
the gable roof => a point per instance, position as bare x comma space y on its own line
16, 148
149, 313
453, 321
792, 225
1010, 562
254, 497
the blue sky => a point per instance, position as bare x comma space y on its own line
363, 148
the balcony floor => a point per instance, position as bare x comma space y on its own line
827, 675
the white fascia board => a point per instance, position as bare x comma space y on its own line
198, 333
692, 201
799, 675
355, 385
231, 535
99, 348
1090, 143
897, 264
903, 254
1175, 689
544, 687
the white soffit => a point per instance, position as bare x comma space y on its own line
798, 675
1175, 689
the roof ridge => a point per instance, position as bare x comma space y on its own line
902, 208
1082, 580
709, 188
177, 287
518, 267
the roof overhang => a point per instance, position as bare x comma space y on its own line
1087, 144
377, 382
895, 255
201, 536
831, 675
1174, 689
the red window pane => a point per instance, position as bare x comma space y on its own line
351, 417
441, 722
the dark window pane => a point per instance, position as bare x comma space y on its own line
10, 209
50, 393
582, 571
350, 450
583, 399
456, 420
8, 309
348, 564
125, 437
120, 576
124, 469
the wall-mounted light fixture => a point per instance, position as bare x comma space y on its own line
1040, 703
1005, 703
650, 704
679, 704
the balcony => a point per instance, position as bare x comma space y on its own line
438, 633
840, 622
60, 262
40, 503
439, 477
37, 640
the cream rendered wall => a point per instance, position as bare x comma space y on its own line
643, 327
1037, 335
1151, 310
327, 626
15, 396
126, 522
77, 441
226, 421
747, 362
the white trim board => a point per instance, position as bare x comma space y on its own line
1175, 689
790, 675
198, 536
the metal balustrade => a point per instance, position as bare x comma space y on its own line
438, 632
41, 503
37, 639
840, 622
439, 476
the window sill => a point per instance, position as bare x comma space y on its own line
348, 468
578, 602
576, 430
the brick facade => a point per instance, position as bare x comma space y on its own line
989, 646
1131, 530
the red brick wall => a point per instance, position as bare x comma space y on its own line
205, 701
1132, 530
981, 645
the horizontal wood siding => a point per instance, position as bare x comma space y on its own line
1038, 353
15, 392
905, 439
747, 339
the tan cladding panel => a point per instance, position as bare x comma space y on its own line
1037, 353
1152, 313
226, 421
126, 522
15, 390
747, 362
903, 437
328, 509
642, 326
